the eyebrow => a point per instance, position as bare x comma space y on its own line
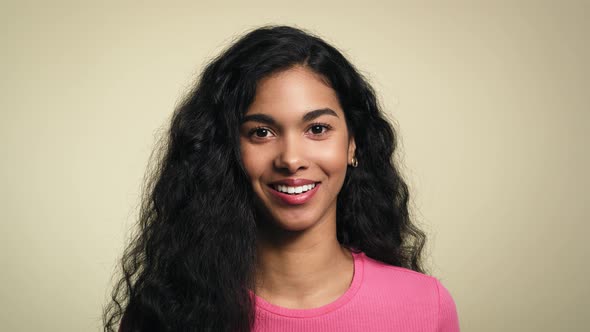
309, 116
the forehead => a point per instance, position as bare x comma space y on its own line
293, 92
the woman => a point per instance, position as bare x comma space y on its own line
276, 206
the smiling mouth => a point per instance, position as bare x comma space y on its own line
293, 190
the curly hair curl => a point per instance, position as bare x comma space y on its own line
191, 264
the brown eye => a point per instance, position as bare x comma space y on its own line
260, 132
318, 129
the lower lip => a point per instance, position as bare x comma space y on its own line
296, 199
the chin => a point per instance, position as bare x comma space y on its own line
292, 227
291, 219
291, 223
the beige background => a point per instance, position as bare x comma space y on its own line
491, 100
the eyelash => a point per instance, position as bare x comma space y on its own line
320, 124
326, 126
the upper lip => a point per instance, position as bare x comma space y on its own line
294, 182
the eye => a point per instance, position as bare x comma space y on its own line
319, 128
260, 132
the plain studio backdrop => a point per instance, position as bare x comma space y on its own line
490, 100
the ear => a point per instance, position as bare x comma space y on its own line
351, 148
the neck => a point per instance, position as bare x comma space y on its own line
302, 269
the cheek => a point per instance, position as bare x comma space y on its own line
252, 160
333, 157
247, 160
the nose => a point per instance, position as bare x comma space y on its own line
291, 157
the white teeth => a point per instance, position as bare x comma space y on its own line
294, 190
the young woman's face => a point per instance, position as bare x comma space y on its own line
296, 148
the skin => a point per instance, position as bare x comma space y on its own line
300, 261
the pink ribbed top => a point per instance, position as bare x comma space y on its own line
381, 297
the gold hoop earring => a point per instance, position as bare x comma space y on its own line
354, 162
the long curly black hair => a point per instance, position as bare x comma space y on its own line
190, 265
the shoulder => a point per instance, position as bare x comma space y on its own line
384, 275
412, 289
